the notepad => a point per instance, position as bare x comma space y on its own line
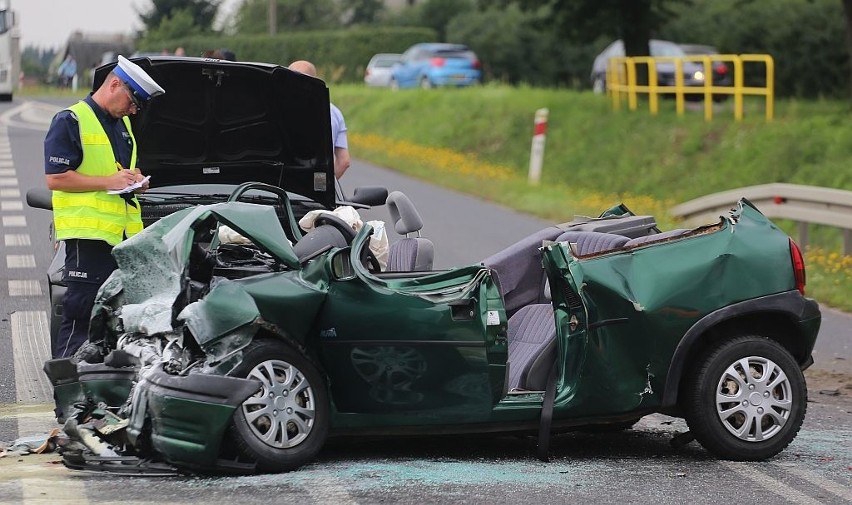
131, 188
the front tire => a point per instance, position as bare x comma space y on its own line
747, 400
285, 424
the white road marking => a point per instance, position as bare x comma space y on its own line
821, 482
7, 205
34, 115
14, 221
10, 193
16, 240
7, 172
771, 484
31, 348
8, 181
24, 288
20, 261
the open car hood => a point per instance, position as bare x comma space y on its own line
224, 122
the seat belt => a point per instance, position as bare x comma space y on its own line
547, 415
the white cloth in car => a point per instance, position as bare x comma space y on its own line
378, 241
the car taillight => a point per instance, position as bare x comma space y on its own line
798, 266
437, 62
721, 69
474, 63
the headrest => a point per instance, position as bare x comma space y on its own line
142, 85
405, 217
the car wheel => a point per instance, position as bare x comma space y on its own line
599, 86
747, 400
425, 83
285, 424
394, 85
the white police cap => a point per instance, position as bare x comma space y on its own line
139, 81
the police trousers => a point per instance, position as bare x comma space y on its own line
88, 263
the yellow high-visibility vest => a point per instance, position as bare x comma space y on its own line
96, 214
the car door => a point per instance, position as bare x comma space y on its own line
609, 361
425, 348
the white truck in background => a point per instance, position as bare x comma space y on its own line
10, 54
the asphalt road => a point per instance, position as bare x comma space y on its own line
637, 465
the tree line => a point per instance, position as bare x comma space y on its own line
551, 43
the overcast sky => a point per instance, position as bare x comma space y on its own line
48, 23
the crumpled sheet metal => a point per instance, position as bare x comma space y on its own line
151, 264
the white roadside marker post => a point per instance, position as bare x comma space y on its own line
537, 151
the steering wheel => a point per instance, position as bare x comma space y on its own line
368, 259
339, 224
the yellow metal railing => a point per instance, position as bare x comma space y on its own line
621, 82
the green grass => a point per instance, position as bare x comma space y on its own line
595, 156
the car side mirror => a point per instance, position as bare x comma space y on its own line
40, 198
370, 195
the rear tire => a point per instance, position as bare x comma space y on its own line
285, 424
747, 400
425, 83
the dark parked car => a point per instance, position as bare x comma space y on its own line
721, 70
220, 124
436, 64
246, 357
693, 73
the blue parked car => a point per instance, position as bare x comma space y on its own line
435, 64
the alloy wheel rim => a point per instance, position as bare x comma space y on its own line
282, 411
754, 399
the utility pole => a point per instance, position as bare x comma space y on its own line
273, 16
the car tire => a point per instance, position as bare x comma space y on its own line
746, 414
599, 86
425, 83
275, 428
394, 85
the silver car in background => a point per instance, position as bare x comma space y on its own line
378, 71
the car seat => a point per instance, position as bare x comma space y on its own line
409, 254
589, 242
657, 236
532, 347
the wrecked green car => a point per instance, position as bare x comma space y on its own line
215, 356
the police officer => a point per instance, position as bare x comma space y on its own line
89, 153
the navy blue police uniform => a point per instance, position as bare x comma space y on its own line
87, 262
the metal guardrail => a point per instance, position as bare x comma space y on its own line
804, 204
621, 81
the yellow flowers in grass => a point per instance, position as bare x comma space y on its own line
829, 277
438, 158
832, 263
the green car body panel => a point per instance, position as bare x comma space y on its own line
428, 352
